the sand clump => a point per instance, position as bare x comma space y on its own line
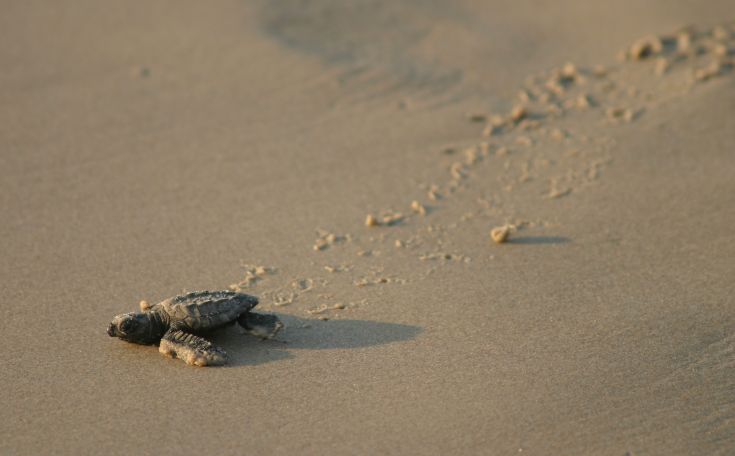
518, 113
338, 268
418, 207
500, 234
498, 124
714, 69
458, 171
387, 219
524, 141
455, 257
323, 308
558, 192
433, 193
392, 218
722, 50
377, 280
617, 115
472, 155
585, 101
558, 134
662, 66
371, 221
645, 47
686, 45
490, 130
253, 275
327, 239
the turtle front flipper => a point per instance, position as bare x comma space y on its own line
260, 325
192, 349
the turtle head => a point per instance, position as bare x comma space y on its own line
132, 327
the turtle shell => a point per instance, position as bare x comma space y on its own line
202, 310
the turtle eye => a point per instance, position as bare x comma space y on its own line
127, 325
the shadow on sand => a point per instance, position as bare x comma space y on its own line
303, 334
539, 240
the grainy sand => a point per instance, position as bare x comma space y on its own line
346, 161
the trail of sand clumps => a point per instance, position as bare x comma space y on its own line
548, 145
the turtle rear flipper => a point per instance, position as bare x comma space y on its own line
260, 325
192, 349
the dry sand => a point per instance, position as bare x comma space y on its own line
152, 148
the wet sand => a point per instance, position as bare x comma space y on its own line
148, 151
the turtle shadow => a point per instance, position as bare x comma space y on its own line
539, 240
308, 334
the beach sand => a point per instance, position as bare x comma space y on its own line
155, 148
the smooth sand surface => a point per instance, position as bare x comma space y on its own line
148, 148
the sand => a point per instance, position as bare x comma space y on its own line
151, 149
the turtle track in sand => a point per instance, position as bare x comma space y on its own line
545, 144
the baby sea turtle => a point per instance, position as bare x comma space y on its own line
174, 323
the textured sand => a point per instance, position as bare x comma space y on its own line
164, 146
